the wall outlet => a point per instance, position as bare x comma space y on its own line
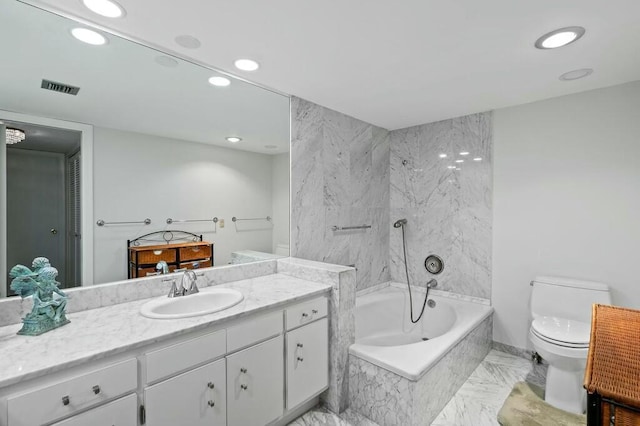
221, 223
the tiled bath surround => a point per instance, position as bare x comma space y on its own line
390, 399
339, 176
448, 210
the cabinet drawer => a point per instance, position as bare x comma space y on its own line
123, 412
307, 362
48, 404
254, 330
195, 252
148, 271
154, 256
306, 312
197, 264
179, 357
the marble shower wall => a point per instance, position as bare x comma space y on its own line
448, 210
339, 176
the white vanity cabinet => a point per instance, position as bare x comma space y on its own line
122, 412
255, 384
194, 398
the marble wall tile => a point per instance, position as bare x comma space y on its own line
340, 176
91, 297
449, 211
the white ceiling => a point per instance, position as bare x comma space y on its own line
397, 64
123, 87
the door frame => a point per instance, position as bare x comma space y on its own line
86, 191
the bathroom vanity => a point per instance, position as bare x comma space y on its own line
262, 361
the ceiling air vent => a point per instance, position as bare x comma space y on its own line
60, 87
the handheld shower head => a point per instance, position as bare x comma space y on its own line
399, 223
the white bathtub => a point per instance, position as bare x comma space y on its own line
386, 337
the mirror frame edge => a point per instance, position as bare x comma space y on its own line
86, 191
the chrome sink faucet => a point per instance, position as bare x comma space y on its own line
162, 267
192, 278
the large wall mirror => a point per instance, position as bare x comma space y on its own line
121, 132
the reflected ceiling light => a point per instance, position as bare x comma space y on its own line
166, 61
233, 139
459, 161
458, 168
576, 74
106, 8
451, 167
89, 36
219, 81
477, 159
464, 153
560, 37
188, 41
271, 146
14, 135
442, 155
246, 65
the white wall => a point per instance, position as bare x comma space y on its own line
566, 199
139, 176
280, 198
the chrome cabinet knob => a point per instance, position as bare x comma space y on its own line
54, 231
300, 345
210, 385
300, 359
244, 387
314, 311
243, 370
211, 403
96, 389
65, 400
305, 315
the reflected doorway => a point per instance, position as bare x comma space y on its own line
43, 200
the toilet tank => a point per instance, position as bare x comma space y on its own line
566, 297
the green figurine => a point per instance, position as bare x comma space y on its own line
49, 302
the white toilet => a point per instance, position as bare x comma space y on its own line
560, 330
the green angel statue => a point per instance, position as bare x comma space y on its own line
49, 302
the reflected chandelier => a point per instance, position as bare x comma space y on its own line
14, 136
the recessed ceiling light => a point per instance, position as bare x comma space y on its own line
464, 153
246, 65
458, 168
442, 155
107, 8
451, 167
89, 36
166, 61
560, 37
233, 139
459, 161
576, 74
271, 146
188, 41
219, 81
477, 159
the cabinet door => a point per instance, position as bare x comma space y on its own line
255, 384
307, 362
122, 412
194, 398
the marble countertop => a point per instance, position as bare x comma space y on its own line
102, 332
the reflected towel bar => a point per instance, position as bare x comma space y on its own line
170, 221
101, 222
347, 228
236, 219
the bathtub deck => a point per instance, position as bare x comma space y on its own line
476, 403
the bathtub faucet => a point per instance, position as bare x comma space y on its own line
432, 283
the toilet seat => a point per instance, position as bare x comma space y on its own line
562, 332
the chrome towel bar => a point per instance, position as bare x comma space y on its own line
237, 219
101, 222
170, 221
347, 228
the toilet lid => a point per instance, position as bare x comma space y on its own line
562, 331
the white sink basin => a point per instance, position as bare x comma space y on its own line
192, 305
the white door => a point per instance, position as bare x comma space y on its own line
255, 384
35, 208
194, 398
307, 362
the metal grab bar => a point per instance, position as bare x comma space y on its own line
101, 222
236, 219
170, 221
347, 228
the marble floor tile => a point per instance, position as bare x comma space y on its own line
321, 416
